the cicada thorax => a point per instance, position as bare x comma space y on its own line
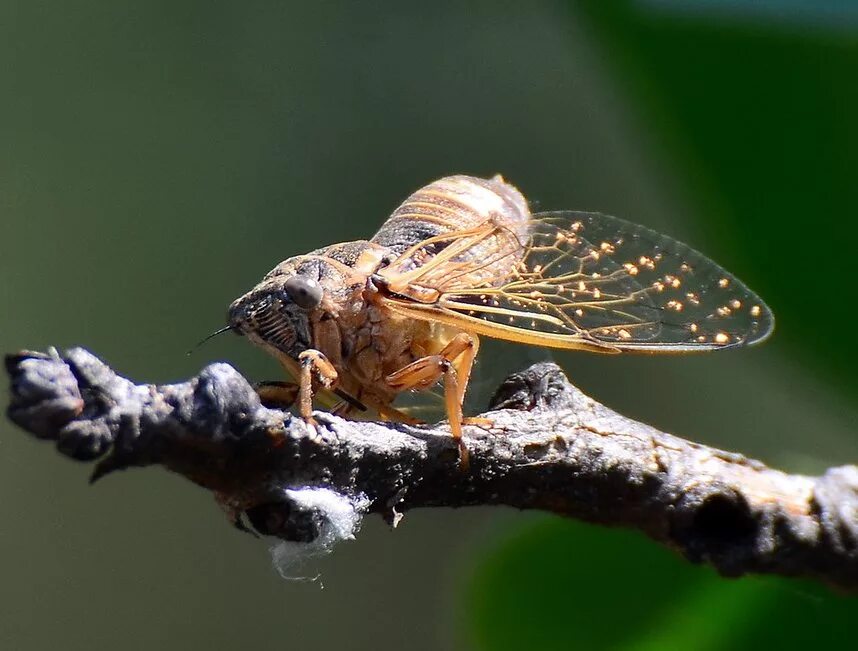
458, 232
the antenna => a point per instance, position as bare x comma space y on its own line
211, 336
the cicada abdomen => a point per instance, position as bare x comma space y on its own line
458, 232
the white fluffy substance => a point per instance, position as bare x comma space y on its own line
341, 518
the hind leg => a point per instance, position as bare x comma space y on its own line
453, 364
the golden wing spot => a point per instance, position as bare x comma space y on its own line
724, 311
674, 305
632, 269
597, 293
607, 248
658, 286
685, 267
579, 312
724, 282
735, 304
693, 298
755, 310
692, 327
721, 338
624, 334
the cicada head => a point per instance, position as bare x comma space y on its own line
276, 313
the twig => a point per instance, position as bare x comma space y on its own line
549, 447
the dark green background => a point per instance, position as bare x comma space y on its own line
158, 157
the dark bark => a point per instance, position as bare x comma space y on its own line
549, 447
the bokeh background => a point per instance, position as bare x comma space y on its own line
158, 157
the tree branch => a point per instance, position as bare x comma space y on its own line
549, 447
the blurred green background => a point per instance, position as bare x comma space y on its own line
158, 157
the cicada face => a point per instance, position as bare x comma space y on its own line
276, 313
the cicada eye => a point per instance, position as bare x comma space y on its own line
305, 292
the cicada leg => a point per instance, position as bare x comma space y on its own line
453, 363
281, 395
394, 415
284, 395
275, 395
314, 366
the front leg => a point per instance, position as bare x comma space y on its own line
281, 395
284, 395
453, 363
314, 366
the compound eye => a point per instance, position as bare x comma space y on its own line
305, 292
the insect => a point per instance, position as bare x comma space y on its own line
464, 257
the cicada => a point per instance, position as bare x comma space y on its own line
464, 257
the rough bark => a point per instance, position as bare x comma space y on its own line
548, 447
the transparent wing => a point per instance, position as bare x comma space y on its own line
587, 278
481, 256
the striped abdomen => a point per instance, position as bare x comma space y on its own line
461, 203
